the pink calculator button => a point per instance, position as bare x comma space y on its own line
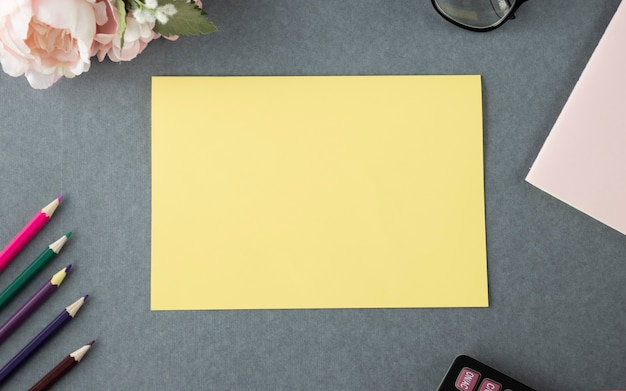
467, 380
489, 385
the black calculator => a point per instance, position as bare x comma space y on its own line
468, 374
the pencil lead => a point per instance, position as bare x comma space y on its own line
67, 235
60, 198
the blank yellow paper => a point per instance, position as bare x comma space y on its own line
317, 192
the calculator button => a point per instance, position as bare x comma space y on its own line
489, 385
467, 380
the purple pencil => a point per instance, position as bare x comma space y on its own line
31, 305
44, 335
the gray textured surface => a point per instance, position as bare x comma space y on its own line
557, 278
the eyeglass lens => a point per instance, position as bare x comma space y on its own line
477, 14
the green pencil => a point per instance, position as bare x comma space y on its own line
35, 267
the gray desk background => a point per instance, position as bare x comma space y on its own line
557, 278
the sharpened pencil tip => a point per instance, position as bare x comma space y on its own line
67, 268
91, 343
60, 198
67, 235
85, 297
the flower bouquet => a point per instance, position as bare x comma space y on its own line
47, 39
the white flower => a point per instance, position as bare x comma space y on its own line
164, 12
161, 17
142, 15
168, 9
151, 12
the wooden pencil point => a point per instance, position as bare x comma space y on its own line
29, 231
62, 368
49, 209
73, 308
59, 276
58, 245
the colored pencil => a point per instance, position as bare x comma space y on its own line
28, 232
62, 368
31, 305
31, 271
44, 336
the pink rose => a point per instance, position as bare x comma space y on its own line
47, 39
138, 34
107, 39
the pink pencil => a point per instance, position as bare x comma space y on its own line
28, 232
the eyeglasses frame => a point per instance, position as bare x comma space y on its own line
511, 15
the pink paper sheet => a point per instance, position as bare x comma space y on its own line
583, 161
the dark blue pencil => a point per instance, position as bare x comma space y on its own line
48, 332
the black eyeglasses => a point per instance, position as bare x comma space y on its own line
477, 15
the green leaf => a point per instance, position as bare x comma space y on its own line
121, 13
189, 19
